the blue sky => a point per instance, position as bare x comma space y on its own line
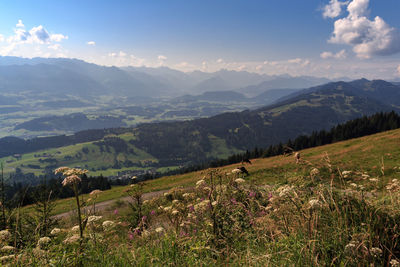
329, 38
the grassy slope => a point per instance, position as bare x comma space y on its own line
362, 154
73, 156
101, 161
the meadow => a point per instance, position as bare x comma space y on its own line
337, 206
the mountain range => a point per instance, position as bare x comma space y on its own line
61, 76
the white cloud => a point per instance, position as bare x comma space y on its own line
161, 60
58, 37
339, 55
1, 38
305, 63
91, 43
54, 47
39, 35
358, 8
204, 66
123, 59
367, 37
259, 67
220, 60
398, 70
333, 9
36, 42
20, 24
242, 67
295, 61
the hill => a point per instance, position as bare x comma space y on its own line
362, 154
342, 197
174, 144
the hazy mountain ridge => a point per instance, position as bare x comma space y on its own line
83, 79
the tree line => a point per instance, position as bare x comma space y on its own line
367, 125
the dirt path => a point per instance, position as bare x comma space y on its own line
101, 206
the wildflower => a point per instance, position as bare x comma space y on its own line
314, 172
93, 218
175, 201
186, 196
72, 239
130, 236
393, 186
61, 170
145, 202
200, 182
236, 171
174, 212
95, 192
365, 176
285, 191
314, 204
159, 230
394, 263
6, 258
192, 216
374, 180
108, 225
167, 208
75, 229
44, 241
354, 185
8, 249
116, 212
71, 180
214, 203
240, 181
4, 235
346, 174
350, 247
55, 231
145, 233
152, 212
252, 194
74, 171
376, 252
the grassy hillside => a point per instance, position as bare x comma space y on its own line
108, 156
337, 206
362, 155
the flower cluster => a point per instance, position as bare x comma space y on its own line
72, 175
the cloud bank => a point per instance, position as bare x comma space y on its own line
367, 37
339, 55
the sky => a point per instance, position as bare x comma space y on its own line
325, 38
